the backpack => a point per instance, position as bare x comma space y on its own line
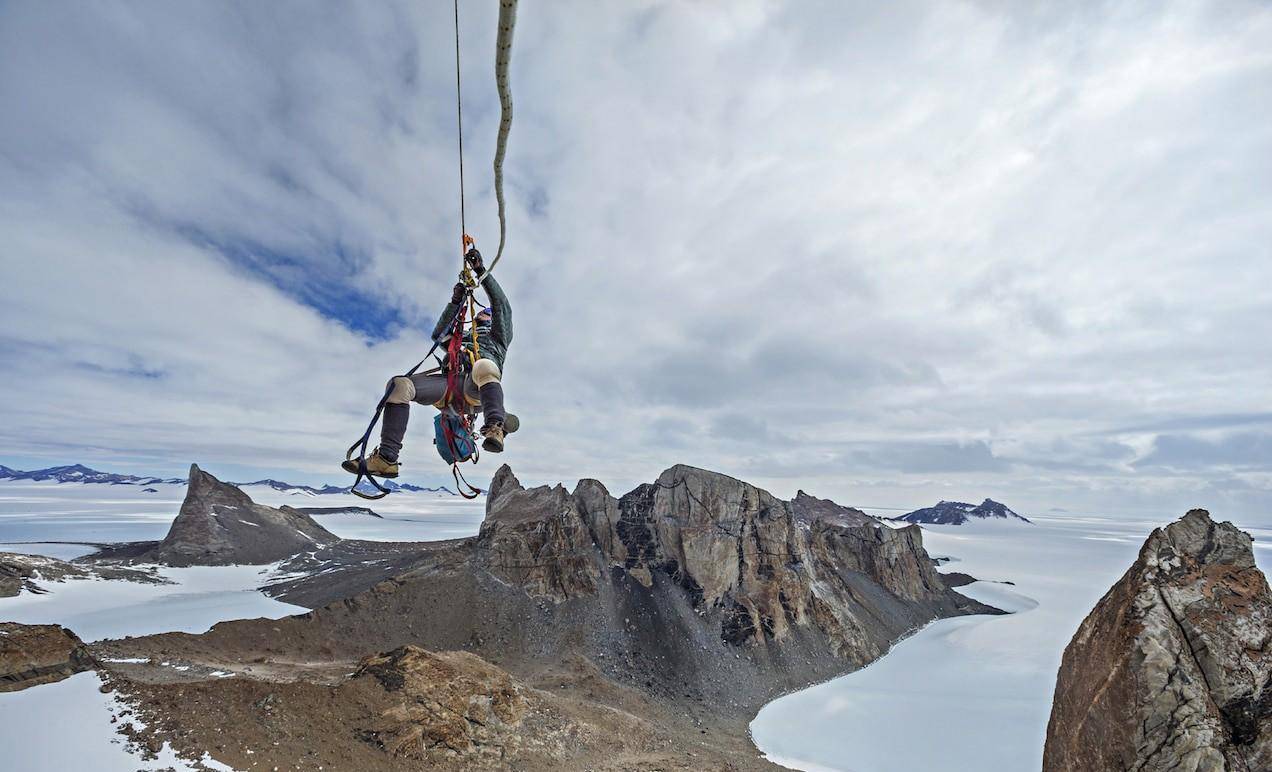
452, 437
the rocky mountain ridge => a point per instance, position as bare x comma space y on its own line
82, 474
696, 597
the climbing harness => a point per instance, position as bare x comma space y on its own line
456, 427
456, 442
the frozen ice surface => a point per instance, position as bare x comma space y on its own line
200, 597
47, 512
66, 726
970, 693
83, 512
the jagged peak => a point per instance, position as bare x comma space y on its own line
201, 483
1197, 536
501, 484
590, 487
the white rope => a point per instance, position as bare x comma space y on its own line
503, 56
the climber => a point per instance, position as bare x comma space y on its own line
481, 378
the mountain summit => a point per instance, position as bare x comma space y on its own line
220, 525
958, 512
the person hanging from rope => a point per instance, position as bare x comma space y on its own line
486, 347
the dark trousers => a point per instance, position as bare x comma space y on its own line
428, 390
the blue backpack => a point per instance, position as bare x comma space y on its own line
453, 439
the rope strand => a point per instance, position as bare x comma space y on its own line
459, 120
503, 58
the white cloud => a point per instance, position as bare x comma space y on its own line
819, 246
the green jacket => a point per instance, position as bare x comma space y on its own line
492, 340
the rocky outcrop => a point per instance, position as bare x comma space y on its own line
1172, 670
763, 566
451, 704
340, 511
218, 525
537, 540
17, 573
33, 573
958, 512
416, 709
39, 654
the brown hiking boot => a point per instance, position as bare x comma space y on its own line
376, 465
494, 434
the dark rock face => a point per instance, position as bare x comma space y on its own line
746, 565
728, 545
957, 513
220, 525
1172, 670
39, 654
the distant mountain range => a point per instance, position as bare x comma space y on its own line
958, 512
83, 474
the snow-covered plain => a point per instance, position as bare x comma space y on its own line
50, 512
972, 693
67, 725
197, 598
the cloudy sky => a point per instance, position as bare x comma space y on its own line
884, 252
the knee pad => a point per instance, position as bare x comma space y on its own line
485, 371
402, 390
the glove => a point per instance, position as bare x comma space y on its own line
457, 294
473, 257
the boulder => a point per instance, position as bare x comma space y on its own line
1172, 669
451, 703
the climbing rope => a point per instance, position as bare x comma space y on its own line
459, 130
503, 57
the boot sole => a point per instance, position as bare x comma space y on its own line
352, 468
490, 446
